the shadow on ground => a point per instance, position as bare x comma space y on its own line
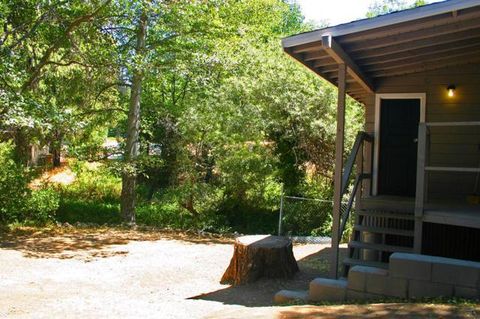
67, 243
312, 266
386, 310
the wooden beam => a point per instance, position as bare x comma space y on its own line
316, 55
453, 169
463, 44
471, 123
308, 47
324, 62
413, 45
339, 148
428, 66
434, 56
337, 53
350, 80
330, 68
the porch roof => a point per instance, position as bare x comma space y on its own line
410, 41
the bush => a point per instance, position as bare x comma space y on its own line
167, 210
94, 196
307, 218
94, 182
42, 205
13, 185
18, 202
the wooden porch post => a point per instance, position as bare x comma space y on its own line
339, 146
420, 188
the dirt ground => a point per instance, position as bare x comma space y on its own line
104, 273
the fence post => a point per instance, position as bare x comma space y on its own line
281, 214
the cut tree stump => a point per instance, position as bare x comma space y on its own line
260, 256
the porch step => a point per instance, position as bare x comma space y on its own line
385, 214
357, 262
379, 247
382, 230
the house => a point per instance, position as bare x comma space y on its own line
416, 167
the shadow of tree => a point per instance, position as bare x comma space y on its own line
88, 243
261, 292
385, 310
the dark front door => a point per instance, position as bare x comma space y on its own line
397, 167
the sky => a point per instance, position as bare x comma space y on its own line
336, 11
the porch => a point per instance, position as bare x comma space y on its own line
435, 211
447, 226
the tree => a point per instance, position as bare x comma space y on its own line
380, 7
47, 51
164, 32
133, 124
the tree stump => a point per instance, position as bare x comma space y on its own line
260, 256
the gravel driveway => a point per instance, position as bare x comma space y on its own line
104, 273
112, 274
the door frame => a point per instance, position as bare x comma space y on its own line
376, 150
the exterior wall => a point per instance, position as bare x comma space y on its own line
450, 146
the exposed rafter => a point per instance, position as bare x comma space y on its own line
338, 54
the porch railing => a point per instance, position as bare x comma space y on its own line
424, 167
355, 156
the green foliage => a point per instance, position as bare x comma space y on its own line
380, 7
73, 210
42, 205
93, 182
307, 218
19, 203
13, 185
93, 197
231, 117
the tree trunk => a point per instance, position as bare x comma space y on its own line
129, 176
22, 151
260, 256
56, 150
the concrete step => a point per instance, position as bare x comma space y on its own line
379, 247
357, 262
384, 213
357, 276
323, 289
290, 296
382, 230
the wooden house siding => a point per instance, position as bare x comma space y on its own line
450, 146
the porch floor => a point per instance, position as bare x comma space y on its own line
436, 211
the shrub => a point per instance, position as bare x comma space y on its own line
13, 185
18, 202
94, 196
94, 182
42, 205
305, 218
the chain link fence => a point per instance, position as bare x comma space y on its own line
307, 220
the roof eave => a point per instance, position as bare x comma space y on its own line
380, 21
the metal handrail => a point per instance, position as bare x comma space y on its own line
358, 180
361, 138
